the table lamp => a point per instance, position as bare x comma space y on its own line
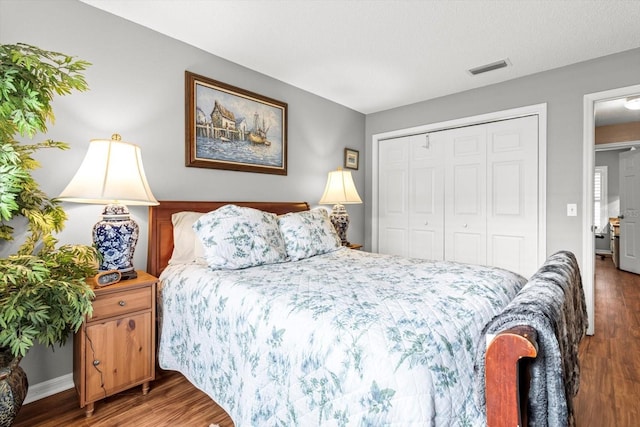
340, 190
112, 174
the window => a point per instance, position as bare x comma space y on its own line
600, 212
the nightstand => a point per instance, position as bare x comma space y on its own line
114, 349
354, 246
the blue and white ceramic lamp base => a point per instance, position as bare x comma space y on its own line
340, 220
115, 238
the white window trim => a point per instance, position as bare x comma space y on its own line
600, 227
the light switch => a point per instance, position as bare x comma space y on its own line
572, 209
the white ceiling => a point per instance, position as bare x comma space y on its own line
372, 55
612, 112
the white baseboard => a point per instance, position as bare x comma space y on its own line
48, 388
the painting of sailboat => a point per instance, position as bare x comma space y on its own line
258, 134
234, 129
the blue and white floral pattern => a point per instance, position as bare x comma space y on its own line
115, 237
347, 338
236, 237
308, 233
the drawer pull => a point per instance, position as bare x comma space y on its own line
96, 362
122, 303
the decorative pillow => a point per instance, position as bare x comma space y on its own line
186, 246
308, 233
236, 237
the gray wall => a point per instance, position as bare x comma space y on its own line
137, 89
563, 90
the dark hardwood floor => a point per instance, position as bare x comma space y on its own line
610, 359
608, 396
172, 401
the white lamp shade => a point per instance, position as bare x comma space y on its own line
340, 189
111, 172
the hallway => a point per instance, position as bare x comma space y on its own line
610, 360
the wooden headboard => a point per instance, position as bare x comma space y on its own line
161, 230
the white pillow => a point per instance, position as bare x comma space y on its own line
186, 246
308, 233
236, 237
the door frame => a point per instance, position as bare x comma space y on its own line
538, 109
588, 165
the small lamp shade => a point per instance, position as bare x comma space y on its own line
112, 174
340, 190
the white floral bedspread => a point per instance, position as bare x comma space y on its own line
347, 338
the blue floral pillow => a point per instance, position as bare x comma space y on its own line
308, 233
236, 237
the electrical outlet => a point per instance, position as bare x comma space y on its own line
572, 209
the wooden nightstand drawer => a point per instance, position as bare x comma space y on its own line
122, 302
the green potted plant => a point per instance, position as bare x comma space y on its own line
43, 293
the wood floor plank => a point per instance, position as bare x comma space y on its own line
608, 396
172, 401
610, 368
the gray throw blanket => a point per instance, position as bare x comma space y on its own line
553, 303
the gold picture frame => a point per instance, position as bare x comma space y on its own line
234, 129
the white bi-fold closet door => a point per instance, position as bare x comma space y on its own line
468, 194
411, 191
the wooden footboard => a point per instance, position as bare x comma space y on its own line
507, 376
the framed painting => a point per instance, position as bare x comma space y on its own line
234, 129
351, 158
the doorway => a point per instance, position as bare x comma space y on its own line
588, 237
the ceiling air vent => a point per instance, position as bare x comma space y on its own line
490, 67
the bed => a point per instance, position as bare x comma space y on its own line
342, 337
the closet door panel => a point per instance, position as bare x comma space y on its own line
426, 244
393, 208
508, 252
468, 247
426, 198
395, 190
394, 241
512, 196
468, 195
465, 194
506, 189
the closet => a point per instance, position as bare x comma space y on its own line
468, 194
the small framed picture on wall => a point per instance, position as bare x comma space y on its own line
351, 158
